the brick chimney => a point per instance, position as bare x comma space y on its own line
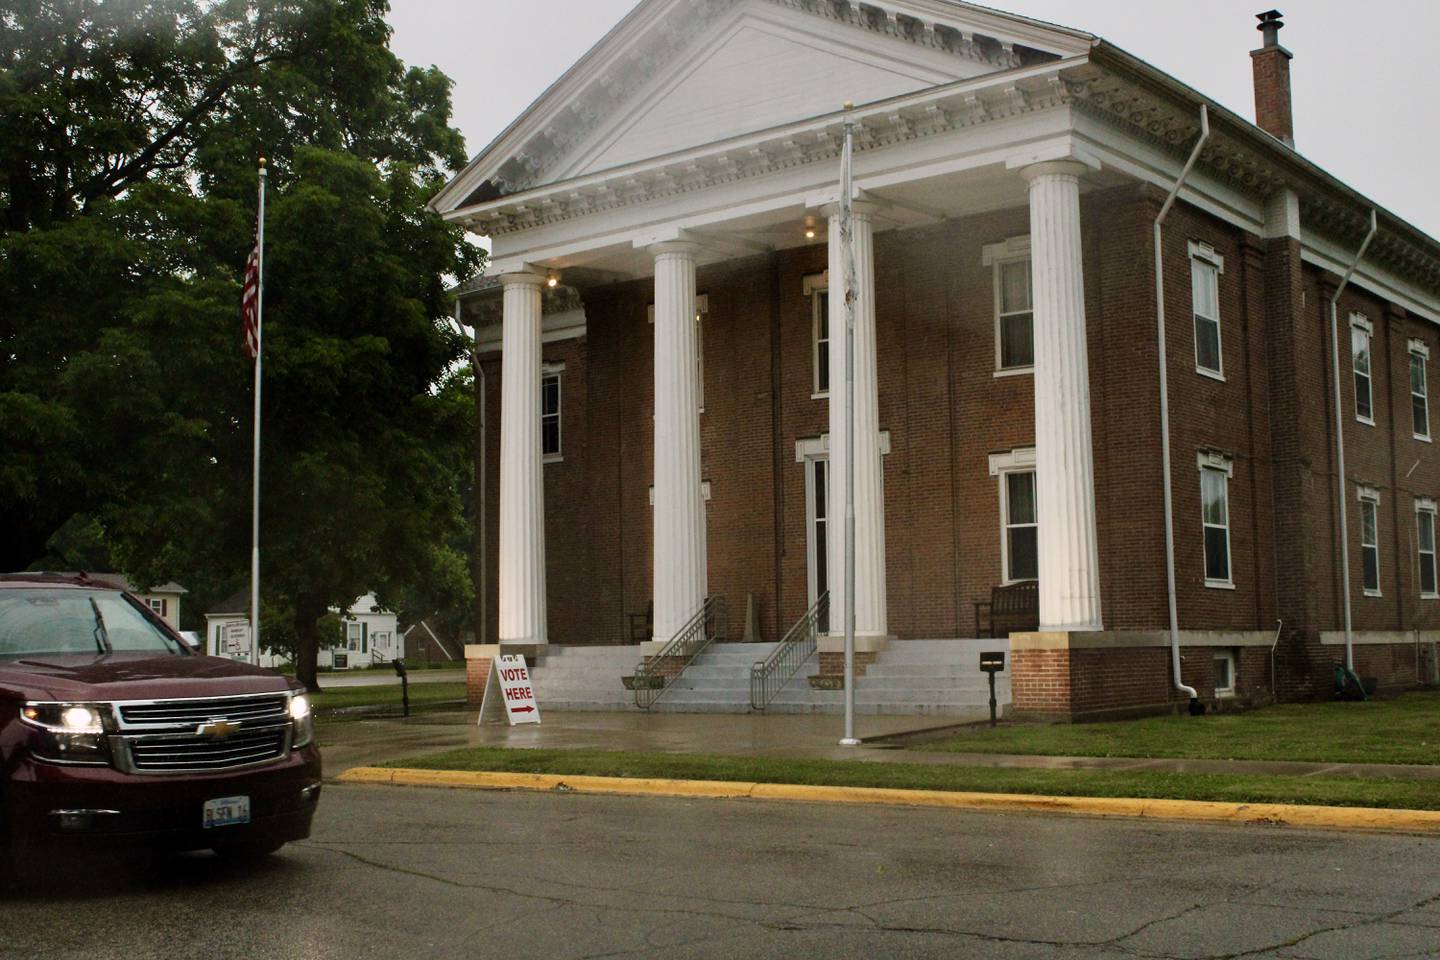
1272, 80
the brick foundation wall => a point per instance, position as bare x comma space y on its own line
833, 664
477, 674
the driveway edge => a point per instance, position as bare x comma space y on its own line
1278, 814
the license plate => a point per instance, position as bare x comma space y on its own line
227, 811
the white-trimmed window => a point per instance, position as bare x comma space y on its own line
1215, 471
157, 606
1224, 673
550, 412
1019, 521
1360, 333
818, 293
1420, 389
1370, 541
1425, 541
1205, 268
1014, 304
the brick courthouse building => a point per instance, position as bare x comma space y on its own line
665, 366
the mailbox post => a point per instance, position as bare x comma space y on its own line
992, 662
405, 686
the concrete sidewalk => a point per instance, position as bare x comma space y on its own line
387, 677
369, 742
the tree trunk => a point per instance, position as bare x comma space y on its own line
307, 643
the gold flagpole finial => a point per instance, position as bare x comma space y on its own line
848, 105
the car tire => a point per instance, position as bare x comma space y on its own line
247, 851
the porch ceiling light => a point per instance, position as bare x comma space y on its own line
552, 279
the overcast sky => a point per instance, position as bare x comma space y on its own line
1365, 76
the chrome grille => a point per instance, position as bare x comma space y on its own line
165, 753
261, 710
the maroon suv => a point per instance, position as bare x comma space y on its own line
113, 732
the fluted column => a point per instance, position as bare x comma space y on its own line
679, 555
1064, 458
870, 613
522, 491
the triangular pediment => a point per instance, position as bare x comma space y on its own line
764, 70
679, 74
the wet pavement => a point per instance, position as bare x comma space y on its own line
394, 872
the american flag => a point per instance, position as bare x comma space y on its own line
250, 302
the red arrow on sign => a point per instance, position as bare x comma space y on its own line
522, 709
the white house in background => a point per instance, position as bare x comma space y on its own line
368, 635
164, 598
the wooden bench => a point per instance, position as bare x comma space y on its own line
1014, 608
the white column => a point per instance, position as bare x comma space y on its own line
522, 491
1064, 459
679, 554
870, 611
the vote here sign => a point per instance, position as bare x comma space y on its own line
515, 689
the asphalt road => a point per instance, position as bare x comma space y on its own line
415, 873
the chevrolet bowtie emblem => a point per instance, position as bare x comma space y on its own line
219, 729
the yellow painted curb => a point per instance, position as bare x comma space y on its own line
1288, 814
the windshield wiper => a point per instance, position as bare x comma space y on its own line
102, 636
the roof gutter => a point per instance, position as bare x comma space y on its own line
1106, 54
1166, 481
1344, 537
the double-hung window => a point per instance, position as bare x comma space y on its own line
550, 413
1425, 539
1215, 471
1370, 541
1419, 389
819, 297
1205, 269
1360, 332
1019, 526
1014, 304
1022, 550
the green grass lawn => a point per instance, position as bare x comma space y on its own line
1403, 794
422, 696
1402, 730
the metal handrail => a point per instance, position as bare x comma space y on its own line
769, 676
655, 674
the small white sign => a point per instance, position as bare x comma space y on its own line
235, 640
509, 683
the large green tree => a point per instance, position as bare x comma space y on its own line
130, 132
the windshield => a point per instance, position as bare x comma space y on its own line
45, 620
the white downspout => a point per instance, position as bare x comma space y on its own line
1340, 445
1165, 409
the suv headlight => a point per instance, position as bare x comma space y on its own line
303, 721
69, 732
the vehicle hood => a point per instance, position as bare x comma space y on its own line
133, 676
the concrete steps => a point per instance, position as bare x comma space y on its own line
919, 677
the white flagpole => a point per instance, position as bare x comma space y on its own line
847, 253
255, 478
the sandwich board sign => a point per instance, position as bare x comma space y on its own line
508, 691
